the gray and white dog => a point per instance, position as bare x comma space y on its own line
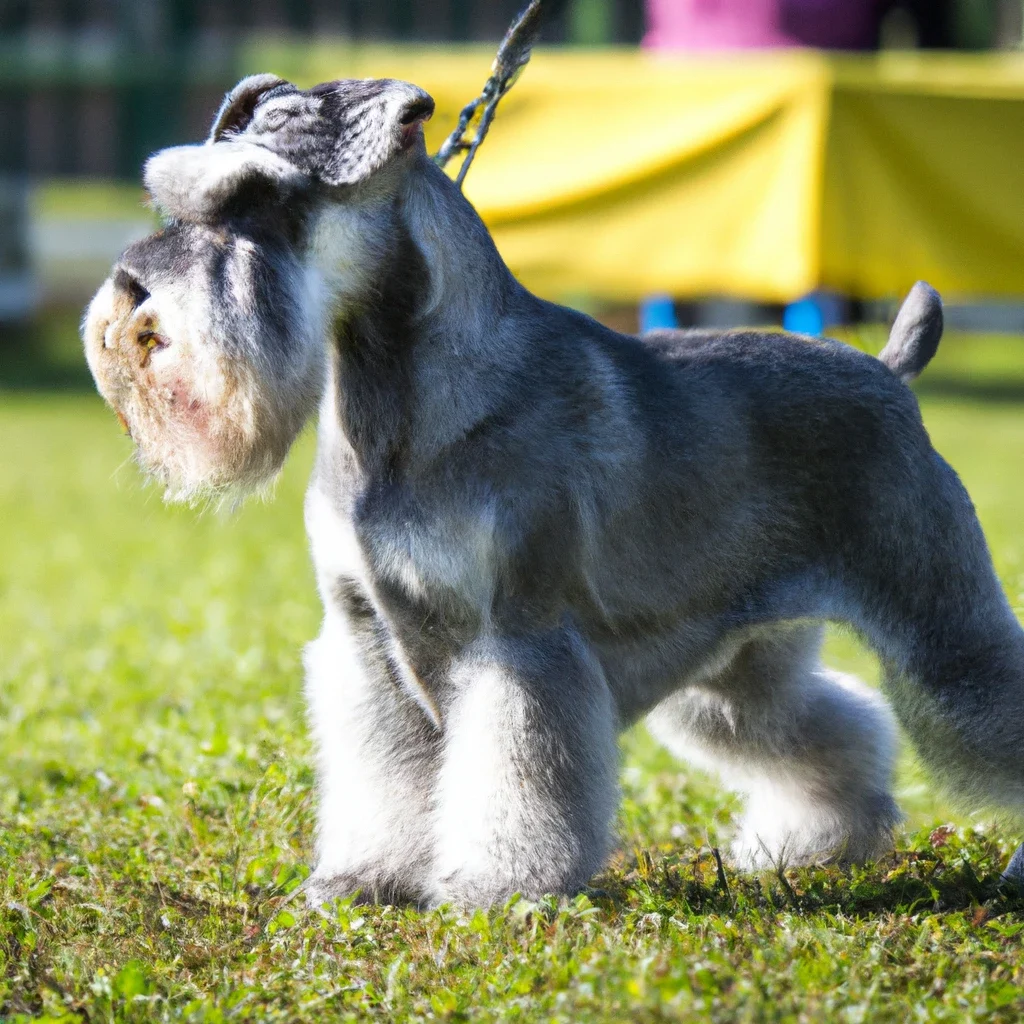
531, 531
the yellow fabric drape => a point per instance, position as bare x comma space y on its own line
619, 173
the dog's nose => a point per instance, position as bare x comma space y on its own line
411, 103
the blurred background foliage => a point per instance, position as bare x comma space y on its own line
91, 87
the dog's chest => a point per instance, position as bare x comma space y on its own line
434, 555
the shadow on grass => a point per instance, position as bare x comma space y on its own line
905, 882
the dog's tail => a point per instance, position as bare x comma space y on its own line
916, 334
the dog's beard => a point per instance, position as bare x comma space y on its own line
198, 447
206, 426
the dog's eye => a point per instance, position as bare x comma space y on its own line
150, 342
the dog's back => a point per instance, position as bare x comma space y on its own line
913, 340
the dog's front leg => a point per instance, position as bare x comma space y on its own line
527, 787
377, 764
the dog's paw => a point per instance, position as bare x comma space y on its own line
470, 890
803, 847
321, 888
1013, 876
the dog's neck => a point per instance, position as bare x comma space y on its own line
426, 342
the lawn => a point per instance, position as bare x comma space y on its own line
156, 800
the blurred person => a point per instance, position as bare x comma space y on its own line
761, 24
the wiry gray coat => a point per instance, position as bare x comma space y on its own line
531, 531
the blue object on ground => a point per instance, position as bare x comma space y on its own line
657, 311
805, 316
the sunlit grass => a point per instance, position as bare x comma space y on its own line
156, 799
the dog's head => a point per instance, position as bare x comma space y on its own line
208, 337
203, 341
271, 141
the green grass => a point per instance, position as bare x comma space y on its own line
156, 799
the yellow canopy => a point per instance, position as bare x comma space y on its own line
623, 173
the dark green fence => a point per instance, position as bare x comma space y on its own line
91, 87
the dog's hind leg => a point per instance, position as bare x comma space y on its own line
951, 646
811, 750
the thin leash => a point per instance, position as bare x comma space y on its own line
512, 56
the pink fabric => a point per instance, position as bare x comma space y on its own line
746, 24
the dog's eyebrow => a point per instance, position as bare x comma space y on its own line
284, 89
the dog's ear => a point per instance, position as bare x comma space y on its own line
206, 183
362, 124
237, 109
